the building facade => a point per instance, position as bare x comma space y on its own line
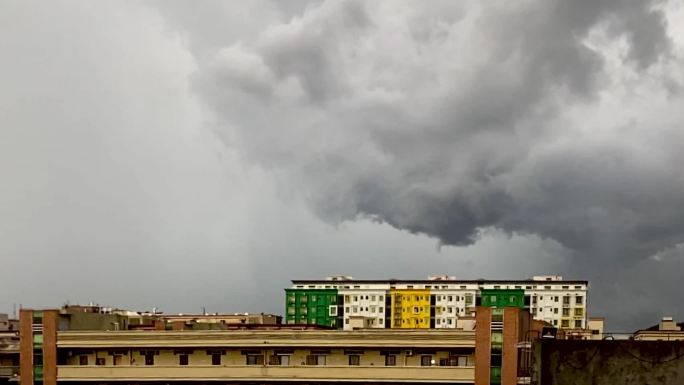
51, 354
561, 303
9, 349
313, 307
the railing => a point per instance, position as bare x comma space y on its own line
459, 374
9, 371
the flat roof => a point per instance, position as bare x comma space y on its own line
439, 281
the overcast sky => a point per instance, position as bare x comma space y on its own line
181, 154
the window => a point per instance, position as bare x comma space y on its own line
149, 359
555, 299
566, 300
426, 360
565, 323
355, 309
555, 322
346, 309
100, 361
497, 287
372, 298
346, 298
566, 312
450, 298
382, 309
356, 299
390, 360
380, 298
216, 359
83, 360
118, 359
578, 324
182, 359
372, 309
315, 360
255, 359
416, 310
449, 321
438, 321
579, 312
492, 298
578, 300
451, 309
547, 287
555, 310
354, 360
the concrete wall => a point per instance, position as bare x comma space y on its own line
608, 362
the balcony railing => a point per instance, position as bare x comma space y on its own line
9, 371
460, 374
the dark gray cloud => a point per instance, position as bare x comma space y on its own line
525, 117
537, 137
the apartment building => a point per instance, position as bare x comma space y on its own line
51, 353
561, 303
9, 349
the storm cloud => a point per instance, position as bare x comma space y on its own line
521, 138
550, 118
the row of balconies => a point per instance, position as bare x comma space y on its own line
452, 374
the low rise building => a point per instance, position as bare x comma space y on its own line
666, 330
9, 350
51, 354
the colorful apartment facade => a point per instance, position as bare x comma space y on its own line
443, 301
313, 307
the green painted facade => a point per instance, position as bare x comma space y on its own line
503, 298
312, 307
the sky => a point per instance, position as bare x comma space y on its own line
184, 155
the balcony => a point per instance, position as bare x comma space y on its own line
9, 372
461, 374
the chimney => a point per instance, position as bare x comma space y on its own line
668, 324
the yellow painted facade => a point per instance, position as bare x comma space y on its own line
410, 308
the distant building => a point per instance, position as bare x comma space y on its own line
9, 349
437, 302
666, 330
